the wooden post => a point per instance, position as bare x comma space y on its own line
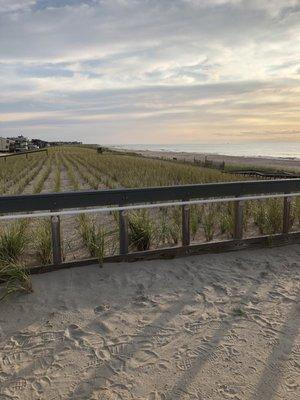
56, 240
123, 232
286, 215
186, 225
238, 219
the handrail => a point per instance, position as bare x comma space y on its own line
79, 199
77, 211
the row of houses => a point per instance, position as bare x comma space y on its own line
22, 143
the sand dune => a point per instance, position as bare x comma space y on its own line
212, 327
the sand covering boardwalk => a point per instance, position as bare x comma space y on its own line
212, 327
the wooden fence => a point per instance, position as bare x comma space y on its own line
122, 200
22, 153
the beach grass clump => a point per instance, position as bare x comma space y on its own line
70, 172
268, 216
13, 240
17, 172
224, 216
43, 242
297, 207
13, 278
295, 212
97, 237
209, 222
85, 171
27, 175
168, 227
175, 225
141, 230
195, 220
226, 221
13, 275
163, 228
40, 183
247, 215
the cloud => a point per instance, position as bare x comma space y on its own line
190, 66
15, 5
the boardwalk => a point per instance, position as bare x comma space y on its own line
215, 327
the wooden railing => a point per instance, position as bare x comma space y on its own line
22, 153
122, 200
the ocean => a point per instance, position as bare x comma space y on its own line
287, 150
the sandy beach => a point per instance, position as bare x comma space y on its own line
257, 162
212, 327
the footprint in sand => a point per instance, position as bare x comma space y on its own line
86, 367
231, 350
106, 395
16, 357
158, 336
184, 358
19, 384
179, 394
143, 301
161, 341
193, 327
291, 384
124, 349
142, 359
184, 364
102, 308
230, 392
42, 385
110, 393
32, 340
155, 396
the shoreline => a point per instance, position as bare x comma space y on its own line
250, 161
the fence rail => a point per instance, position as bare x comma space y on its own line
265, 175
93, 198
22, 153
120, 199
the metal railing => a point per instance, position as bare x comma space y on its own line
122, 200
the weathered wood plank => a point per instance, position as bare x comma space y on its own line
186, 239
238, 219
123, 232
182, 251
286, 215
56, 240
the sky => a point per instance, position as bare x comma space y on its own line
150, 71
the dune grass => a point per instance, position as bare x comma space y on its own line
97, 237
13, 275
43, 242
